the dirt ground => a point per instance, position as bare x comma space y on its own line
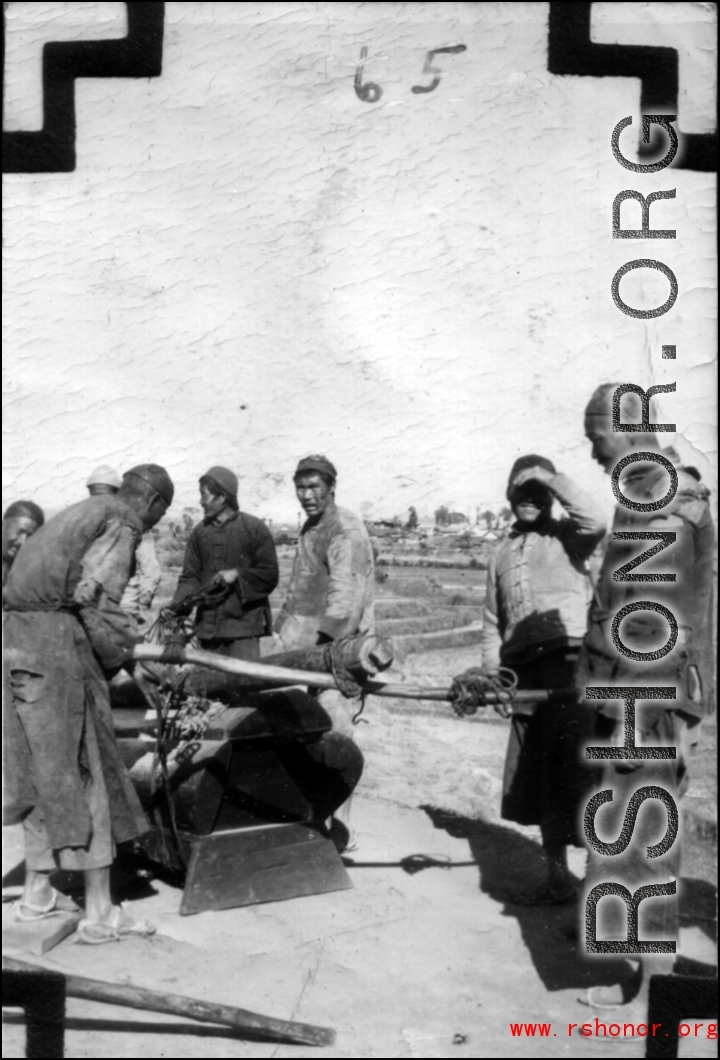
424, 956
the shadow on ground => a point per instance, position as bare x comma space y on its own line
509, 862
131, 876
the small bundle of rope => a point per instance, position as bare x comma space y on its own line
173, 630
470, 690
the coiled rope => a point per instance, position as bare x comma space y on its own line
173, 631
347, 684
470, 689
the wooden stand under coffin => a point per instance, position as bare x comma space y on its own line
250, 798
245, 866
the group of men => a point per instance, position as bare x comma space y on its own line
67, 633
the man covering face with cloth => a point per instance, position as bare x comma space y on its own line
538, 591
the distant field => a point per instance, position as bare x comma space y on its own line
430, 602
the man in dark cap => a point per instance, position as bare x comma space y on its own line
538, 592
65, 635
231, 561
687, 667
331, 590
20, 521
332, 586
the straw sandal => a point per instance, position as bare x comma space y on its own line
600, 997
119, 926
59, 904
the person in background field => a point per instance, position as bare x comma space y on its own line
538, 593
140, 592
20, 521
65, 636
231, 557
687, 668
104, 479
332, 587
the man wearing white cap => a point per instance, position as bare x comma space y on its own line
140, 591
104, 479
143, 585
230, 558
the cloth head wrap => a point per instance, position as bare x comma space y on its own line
532, 460
317, 463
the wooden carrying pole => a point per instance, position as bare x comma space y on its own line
258, 673
239, 1019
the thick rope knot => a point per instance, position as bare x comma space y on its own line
470, 690
346, 682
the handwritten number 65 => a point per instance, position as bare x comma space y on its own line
369, 92
428, 68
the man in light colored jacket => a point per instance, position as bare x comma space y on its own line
140, 591
332, 586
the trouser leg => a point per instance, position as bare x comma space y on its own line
39, 854
340, 711
632, 868
553, 839
100, 850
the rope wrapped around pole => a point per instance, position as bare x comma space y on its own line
474, 688
347, 684
174, 650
